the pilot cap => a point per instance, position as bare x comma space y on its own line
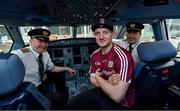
102, 23
134, 26
41, 34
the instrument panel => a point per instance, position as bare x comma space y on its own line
74, 53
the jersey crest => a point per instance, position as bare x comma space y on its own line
110, 64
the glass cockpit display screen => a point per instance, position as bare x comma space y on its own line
58, 53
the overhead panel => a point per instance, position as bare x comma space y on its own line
79, 11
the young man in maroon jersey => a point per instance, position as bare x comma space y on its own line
110, 59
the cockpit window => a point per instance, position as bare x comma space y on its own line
63, 32
5, 40
147, 33
173, 29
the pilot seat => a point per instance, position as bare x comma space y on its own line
153, 74
14, 93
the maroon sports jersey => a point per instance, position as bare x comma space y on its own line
117, 60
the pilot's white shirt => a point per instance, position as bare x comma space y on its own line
30, 60
123, 43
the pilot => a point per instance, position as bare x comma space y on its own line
133, 35
37, 60
108, 60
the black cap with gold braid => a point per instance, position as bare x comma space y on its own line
134, 26
41, 34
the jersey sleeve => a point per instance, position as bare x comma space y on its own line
124, 63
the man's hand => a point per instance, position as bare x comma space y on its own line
98, 73
114, 79
70, 71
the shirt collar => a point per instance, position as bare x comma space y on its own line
34, 52
133, 45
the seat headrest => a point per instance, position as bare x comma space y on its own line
156, 51
12, 72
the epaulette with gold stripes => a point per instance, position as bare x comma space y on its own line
24, 50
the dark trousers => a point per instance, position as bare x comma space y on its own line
92, 99
58, 100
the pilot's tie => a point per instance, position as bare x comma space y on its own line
41, 67
130, 48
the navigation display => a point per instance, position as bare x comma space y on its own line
77, 60
58, 53
76, 51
